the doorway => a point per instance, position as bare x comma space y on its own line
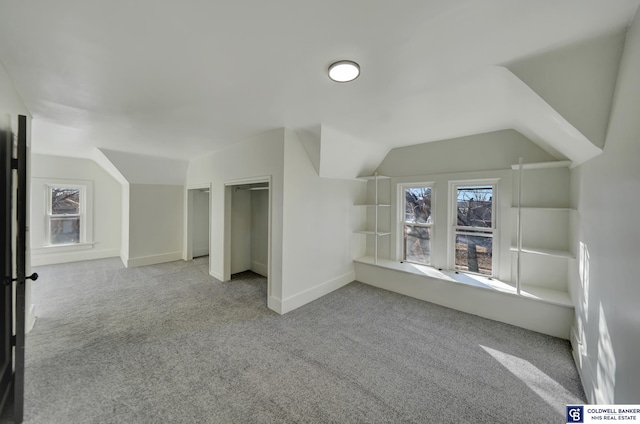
247, 241
198, 223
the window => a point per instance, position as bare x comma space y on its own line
474, 227
417, 225
66, 214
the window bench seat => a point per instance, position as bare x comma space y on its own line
535, 308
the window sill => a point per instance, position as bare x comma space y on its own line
63, 247
541, 294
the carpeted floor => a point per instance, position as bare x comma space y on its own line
170, 344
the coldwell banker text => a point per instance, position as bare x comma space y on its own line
599, 413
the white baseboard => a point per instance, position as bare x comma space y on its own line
297, 300
216, 276
274, 304
153, 259
39, 258
259, 268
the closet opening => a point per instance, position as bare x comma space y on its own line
198, 223
247, 228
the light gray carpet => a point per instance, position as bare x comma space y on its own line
170, 344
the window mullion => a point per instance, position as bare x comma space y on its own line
418, 224
477, 229
467, 233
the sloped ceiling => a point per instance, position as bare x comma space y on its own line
181, 79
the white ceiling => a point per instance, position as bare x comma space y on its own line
179, 79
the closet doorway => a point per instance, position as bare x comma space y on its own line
247, 228
198, 223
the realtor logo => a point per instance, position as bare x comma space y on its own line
574, 414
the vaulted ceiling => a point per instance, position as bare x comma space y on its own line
180, 79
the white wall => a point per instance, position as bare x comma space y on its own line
200, 230
578, 81
318, 228
10, 101
106, 208
311, 217
147, 169
155, 223
259, 156
240, 230
125, 219
605, 285
481, 152
259, 231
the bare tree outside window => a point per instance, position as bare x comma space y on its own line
65, 215
474, 229
418, 224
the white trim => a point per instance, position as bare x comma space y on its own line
216, 275
62, 248
153, 259
49, 258
249, 180
259, 268
290, 303
274, 304
85, 213
198, 186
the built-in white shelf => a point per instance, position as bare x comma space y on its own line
542, 294
373, 177
541, 236
543, 165
544, 252
371, 233
376, 205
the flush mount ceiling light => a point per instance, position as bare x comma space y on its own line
344, 71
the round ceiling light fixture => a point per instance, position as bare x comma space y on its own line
344, 71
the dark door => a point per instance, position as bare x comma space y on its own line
13, 314
6, 273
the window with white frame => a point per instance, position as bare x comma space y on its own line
66, 214
474, 226
417, 223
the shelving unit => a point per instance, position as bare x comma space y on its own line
540, 255
376, 205
540, 241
